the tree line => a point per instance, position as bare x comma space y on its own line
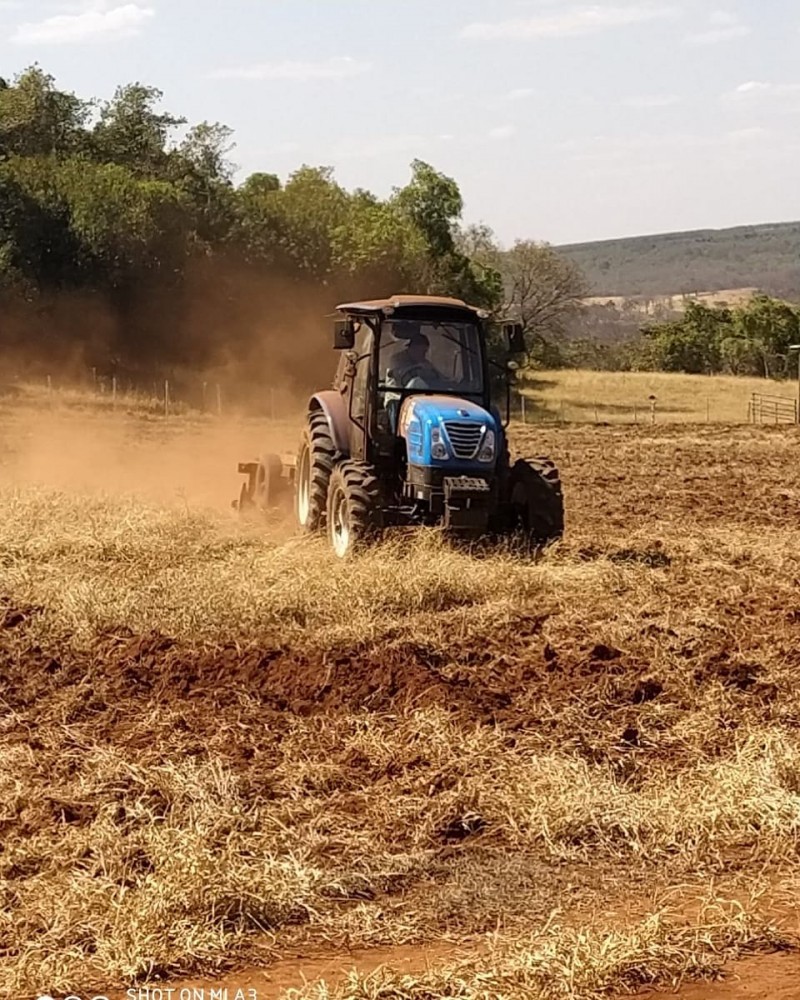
754, 338
126, 245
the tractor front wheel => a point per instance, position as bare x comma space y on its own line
354, 508
536, 501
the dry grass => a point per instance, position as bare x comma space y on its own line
421, 744
575, 396
565, 964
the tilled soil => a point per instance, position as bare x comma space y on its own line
635, 686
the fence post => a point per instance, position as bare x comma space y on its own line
219, 400
652, 411
114, 391
166, 397
522, 405
635, 413
205, 406
596, 418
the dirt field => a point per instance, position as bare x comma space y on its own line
221, 751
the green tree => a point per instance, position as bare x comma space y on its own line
36, 119
378, 247
693, 343
434, 204
260, 184
132, 133
768, 327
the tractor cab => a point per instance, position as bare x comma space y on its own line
402, 349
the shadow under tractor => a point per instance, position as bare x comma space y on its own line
410, 436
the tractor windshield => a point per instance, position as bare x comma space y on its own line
431, 356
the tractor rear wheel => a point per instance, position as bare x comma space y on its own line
535, 500
354, 508
315, 462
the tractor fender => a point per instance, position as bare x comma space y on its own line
335, 409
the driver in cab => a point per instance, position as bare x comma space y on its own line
411, 368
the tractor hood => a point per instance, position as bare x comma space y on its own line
446, 431
444, 408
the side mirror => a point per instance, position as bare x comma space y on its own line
344, 335
515, 337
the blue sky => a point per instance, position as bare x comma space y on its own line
560, 120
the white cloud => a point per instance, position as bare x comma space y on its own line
723, 26
655, 149
283, 148
723, 18
93, 22
340, 68
376, 146
502, 132
753, 87
759, 88
748, 134
651, 101
581, 20
520, 94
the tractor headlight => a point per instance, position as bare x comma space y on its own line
488, 448
438, 447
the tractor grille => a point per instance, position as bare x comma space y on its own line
465, 438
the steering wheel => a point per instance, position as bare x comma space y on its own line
414, 374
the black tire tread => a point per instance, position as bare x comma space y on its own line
364, 495
545, 497
317, 438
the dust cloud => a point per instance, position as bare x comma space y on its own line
183, 461
241, 355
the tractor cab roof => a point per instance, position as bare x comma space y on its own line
419, 303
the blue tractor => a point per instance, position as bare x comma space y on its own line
410, 436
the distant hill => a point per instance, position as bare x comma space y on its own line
765, 257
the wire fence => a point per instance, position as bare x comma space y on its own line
759, 408
157, 395
176, 396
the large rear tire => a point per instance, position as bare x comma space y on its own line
354, 514
315, 462
536, 501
